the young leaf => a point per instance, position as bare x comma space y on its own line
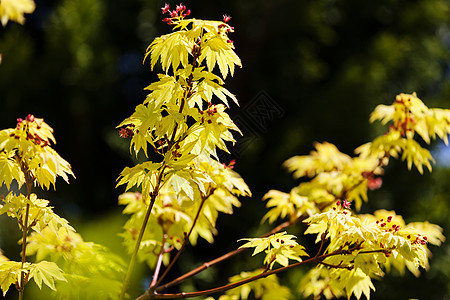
10, 273
10, 170
279, 247
47, 272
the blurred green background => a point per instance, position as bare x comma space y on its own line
313, 70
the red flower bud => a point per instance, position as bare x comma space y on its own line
126, 133
374, 183
180, 7
226, 18
165, 9
346, 204
30, 118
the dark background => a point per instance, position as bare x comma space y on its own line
313, 70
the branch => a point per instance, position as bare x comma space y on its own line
316, 258
203, 267
349, 267
226, 256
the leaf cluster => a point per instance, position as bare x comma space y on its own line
357, 248
188, 187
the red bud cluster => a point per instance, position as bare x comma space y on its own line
126, 132
345, 203
23, 125
180, 12
209, 112
420, 240
230, 164
383, 224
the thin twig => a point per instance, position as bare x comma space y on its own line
203, 267
29, 183
153, 196
185, 242
349, 267
159, 261
136, 247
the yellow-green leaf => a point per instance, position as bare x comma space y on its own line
47, 272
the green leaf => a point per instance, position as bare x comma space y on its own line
414, 153
47, 272
135, 176
143, 121
10, 170
181, 181
10, 273
357, 282
166, 90
279, 247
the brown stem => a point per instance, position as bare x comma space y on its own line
349, 267
203, 267
29, 183
322, 243
24, 251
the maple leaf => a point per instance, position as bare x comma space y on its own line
10, 273
279, 247
145, 174
165, 90
10, 170
143, 121
179, 45
47, 272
